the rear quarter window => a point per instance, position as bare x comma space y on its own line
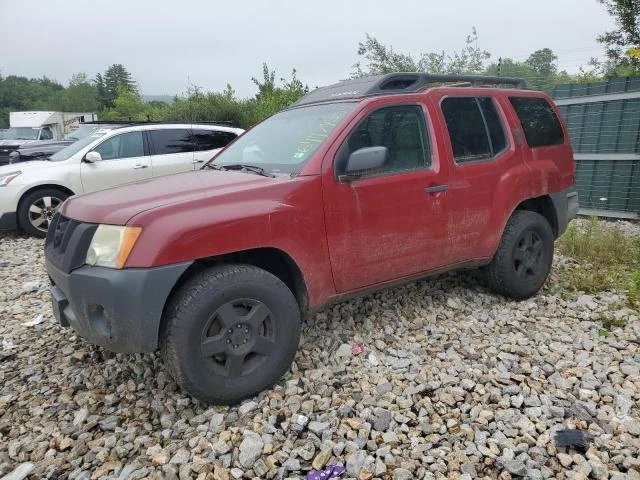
212, 139
539, 121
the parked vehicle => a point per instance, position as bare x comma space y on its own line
33, 127
31, 192
358, 186
46, 148
3, 132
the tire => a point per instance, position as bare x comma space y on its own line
230, 332
36, 209
523, 260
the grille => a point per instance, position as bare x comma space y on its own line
67, 242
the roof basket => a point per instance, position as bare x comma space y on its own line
403, 82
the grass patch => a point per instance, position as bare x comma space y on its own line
608, 260
610, 323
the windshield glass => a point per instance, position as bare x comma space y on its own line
22, 133
285, 142
74, 148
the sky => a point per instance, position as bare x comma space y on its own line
168, 46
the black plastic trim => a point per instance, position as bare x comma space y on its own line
565, 204
120, 310
8, 221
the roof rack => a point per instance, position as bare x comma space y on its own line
401, 82
222, 123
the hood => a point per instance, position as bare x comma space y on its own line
116, 206
14, 143
28, 166
45, 143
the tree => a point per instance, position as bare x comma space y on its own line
539, 70
543, 62
80, 95
621, 44
116, 77
382, 59
272, 98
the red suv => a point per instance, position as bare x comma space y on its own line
358, 186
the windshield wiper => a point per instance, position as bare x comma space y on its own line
241, 167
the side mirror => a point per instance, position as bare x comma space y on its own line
92, 157
364, 161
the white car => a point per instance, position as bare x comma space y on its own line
31, 192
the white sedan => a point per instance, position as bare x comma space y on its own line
31, 192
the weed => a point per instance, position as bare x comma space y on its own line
608, 260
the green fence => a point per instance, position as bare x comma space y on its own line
604, 125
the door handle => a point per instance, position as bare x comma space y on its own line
437, 188
197, 161
139, 166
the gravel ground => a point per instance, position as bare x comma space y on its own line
453, 382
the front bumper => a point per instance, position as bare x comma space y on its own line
9, 195
8, 221
119, 310
566, 206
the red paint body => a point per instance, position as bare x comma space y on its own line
344, 237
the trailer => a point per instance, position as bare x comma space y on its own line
38, 127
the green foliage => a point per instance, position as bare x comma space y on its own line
272, 98
607, 260
609, 323
129, 106
382, 59
618, 42
80, 96
197, 105
539, 70
109, 85
21, 93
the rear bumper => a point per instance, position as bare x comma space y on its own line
566, 206
119, 310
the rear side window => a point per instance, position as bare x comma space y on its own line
539, 121
212, 139
171, 140
475, 128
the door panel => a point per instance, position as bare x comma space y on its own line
385, 228
388, 226
123, 161
172, 151
482, 157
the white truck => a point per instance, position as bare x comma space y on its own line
31, 127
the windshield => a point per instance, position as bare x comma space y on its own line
82, 131
70, 150
22, 133
285, 142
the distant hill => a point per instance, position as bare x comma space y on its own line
157, 98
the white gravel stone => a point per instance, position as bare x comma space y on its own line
464, 384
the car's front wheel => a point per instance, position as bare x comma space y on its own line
230, 332
37, 209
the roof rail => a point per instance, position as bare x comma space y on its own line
222, 123
401, 82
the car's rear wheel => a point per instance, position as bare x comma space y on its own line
37, 209
523, 260
230, 332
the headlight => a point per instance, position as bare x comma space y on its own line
111, 245
5, 179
